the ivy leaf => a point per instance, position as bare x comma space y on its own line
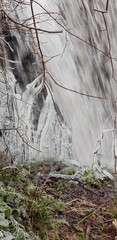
20, 235
15, 213
3, 221
7, 213
1, 235
8, 236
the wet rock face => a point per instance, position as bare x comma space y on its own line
31, 107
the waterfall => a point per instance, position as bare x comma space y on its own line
72, 115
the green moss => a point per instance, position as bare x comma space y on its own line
68, 171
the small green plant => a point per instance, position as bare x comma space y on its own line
113, 208
90, 178
68, 171
80, 237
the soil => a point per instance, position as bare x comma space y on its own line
91, 208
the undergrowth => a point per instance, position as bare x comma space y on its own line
26, 210
35, 207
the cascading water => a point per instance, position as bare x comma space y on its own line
77, 58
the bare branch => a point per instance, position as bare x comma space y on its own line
30, 28
74, 91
